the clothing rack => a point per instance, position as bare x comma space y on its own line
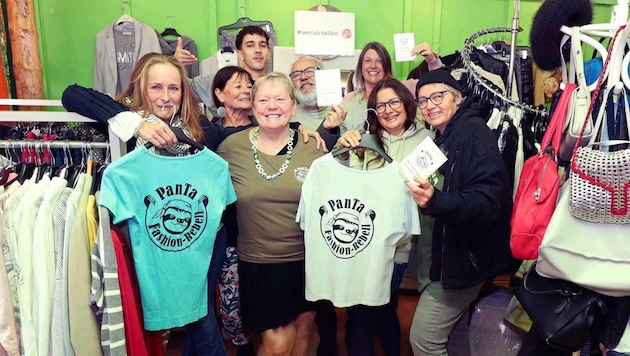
514, 30
488, 87
53, 144
117, 147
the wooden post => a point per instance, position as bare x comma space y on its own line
27, 66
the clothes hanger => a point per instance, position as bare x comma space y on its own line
97, 173
243, 22
53, 167
182, 138
179, 134
41, 167
368, 140
170, 31
126, 8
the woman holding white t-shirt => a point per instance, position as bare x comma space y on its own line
391, 117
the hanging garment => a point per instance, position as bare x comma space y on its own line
173, 218
9, 233
24, 218
132, 311
211, 65
63, 284
59, 335
350, 232
118, 48
169, 46
9, 341
105, 294
44, 261
84, 331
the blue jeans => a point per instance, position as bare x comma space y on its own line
203, 336
364, 320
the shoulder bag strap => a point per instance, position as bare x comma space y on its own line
566, 77
619, 38
553, 134
577, 58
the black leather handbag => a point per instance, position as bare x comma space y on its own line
562, 312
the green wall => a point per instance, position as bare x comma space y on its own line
68, 28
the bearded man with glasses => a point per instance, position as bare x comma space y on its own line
308, 112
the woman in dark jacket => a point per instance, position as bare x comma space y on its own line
466, 208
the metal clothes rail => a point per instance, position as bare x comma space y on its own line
117, 147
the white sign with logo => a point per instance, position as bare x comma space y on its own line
425, 159
324, 33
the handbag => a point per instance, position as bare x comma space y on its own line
578, 111
562, 312
592, 255
600, 177
537, 191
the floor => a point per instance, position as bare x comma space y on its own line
488, 333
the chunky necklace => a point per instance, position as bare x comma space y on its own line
284, 166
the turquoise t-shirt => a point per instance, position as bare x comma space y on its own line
173, 206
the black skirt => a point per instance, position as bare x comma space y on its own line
272, 295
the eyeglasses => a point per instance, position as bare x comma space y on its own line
297, 74
394, 103
436, 98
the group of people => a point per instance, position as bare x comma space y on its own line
258, 259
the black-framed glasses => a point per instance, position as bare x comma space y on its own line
394, 103
297, 74
436, 98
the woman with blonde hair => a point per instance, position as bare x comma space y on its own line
268, 164
159, 92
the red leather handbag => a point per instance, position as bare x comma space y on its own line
537, 191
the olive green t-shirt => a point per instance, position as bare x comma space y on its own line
266, 209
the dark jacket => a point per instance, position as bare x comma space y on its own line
472, 212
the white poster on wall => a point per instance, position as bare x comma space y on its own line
324, 33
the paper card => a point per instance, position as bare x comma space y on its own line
328, 84
403, 44
425, 159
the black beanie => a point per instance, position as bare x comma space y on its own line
442, 76
545, 35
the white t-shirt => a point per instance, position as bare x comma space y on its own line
352, 220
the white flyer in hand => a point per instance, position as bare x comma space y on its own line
403, 44
328, 86
425, 159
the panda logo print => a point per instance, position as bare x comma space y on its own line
347, 226
176, 216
